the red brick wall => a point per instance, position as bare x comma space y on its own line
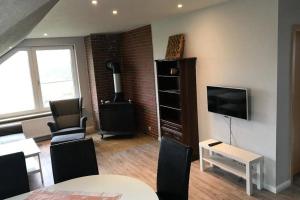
101, 48
135, 52
138, 76
105, 47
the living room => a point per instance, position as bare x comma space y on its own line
113, 54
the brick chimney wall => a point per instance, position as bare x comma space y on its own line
134, 50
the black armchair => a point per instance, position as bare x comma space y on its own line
173, 171
69, 124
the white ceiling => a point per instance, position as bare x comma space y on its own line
18, 18
81, 18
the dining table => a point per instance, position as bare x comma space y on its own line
96, 187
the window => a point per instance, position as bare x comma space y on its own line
55, 72
15, 84
30, 78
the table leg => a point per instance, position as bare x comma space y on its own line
259, 169
40, 166
202, 163
210, 155
248, 179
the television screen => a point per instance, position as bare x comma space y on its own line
228, 101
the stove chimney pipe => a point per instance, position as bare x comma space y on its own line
115, 68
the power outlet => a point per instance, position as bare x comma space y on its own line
149, 128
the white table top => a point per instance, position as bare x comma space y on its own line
28, 146
234, 152
129, 188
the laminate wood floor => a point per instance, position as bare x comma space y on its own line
137, 157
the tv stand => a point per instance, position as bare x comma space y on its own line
234, 160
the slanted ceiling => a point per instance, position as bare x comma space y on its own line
18, 18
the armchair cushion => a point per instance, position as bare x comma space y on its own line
67, 131
67, 121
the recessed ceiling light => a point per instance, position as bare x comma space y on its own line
45, 34
94, 2
10, 47
115, 12
179, 5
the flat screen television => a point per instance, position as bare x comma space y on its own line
231, 102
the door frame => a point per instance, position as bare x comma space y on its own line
296, 29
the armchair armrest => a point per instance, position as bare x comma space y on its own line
52, 126
83, 122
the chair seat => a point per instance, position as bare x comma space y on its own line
67, 138
68, 131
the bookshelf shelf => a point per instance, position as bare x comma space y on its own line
178, 109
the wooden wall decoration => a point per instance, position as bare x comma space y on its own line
175, 47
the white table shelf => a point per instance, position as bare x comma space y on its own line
227, 165
240, 162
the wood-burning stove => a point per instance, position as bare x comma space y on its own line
117, 116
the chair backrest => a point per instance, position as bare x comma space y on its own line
73, 159
173, 171
66, 113
13, 175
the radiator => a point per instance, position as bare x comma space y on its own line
35, 128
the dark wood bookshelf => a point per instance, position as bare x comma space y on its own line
178, 101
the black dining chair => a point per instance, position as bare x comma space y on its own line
173, 171
73, 159
13, 175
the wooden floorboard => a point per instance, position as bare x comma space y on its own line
137, 157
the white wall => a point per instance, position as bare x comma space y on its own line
236, 45
78, 43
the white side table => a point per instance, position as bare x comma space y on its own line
31, 152
234, 160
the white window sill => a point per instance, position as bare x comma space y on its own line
24, 117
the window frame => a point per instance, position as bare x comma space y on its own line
35, 79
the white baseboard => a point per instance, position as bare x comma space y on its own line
270, 188
278, 188
283, 186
